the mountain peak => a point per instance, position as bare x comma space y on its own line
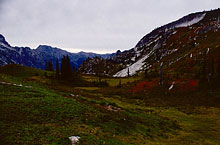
43, 47
47, 48
1, 37
2, 40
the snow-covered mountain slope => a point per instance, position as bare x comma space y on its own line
37, 57
162, 43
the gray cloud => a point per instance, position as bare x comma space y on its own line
90, 25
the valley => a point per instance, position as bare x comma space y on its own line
165, 90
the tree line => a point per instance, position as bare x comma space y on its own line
63, 71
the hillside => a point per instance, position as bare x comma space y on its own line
37, 57
171, 44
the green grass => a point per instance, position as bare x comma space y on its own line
112, 81
22, 71
38, 115
87, 88
48, 114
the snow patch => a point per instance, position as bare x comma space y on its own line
138, 54
20, 51
207, 50
138, 65
192, 22
134, 67
174, 32
171, 87
133, 58
172, 51
6, 46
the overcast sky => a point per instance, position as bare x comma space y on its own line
90, 25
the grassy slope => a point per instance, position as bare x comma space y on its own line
47, 114
112, 81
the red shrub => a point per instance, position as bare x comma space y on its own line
189, 85
143, 86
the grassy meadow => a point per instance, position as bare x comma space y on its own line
37, 109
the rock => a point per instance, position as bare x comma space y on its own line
112, 108
74, 139
28, 86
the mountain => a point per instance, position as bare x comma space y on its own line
188, 37
37, 57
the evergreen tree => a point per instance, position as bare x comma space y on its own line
128, 72
74, 70
212, 68
218, 69
66, 72
146, 73
136, 57
46, 65
204, 68
161, 73
119, 84
49, 66
68, 67
57, 69
63, 63
155, 68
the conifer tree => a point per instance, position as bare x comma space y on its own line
68, 67
128, 72
49, 66
57, 69
218, 69
66, 72
204, 68
145, 73
46, 65
74, 72
161, 73
212, 68
119, 84
63, 67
